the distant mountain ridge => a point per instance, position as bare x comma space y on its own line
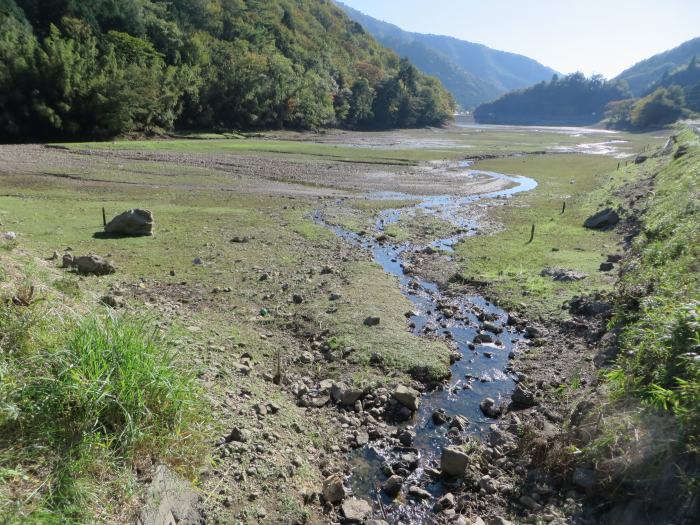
474, 73
645, 74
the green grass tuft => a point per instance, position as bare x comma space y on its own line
79, 400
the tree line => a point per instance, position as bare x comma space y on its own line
99, 68
569, 100
576, 100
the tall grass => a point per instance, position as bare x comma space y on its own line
659, 308
80, 400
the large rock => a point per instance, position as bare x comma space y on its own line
132, 223
606, 218
453, 462
490, 408
238, 435
93, 265
393, 485
523, 397
356, 510
419, 493
170, 500
407, 396
562, 275
334, 489
584, 478
344, 394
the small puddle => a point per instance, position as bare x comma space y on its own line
481, 372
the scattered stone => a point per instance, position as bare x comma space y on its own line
407, 396
356, 510
606, 267
492, 327
523, 397
480, 339
445, 502
561, 275
439, 417
406, 437
584, 478
297, 298
393, 485
453, 462
170, 500
489, 484
489, 408
112, 301
528, 502
459, 422
260, 409
499, 520
372, 321
345, 395
603, 219
361, 438
419, 493
334, 489
93, 265
240, 240
238, 435
132, 223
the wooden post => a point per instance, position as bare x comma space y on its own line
104, 217
277, 378
563, 207
532, 235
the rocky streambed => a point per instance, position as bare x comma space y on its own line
408, 475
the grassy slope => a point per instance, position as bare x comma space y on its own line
659, 304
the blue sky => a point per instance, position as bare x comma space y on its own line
593, 36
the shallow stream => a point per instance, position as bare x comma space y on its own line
480, 373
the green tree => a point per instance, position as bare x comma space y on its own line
664, 106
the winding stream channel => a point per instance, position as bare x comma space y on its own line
480, 373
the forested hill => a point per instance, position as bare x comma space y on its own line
643, 75
98, 68
573, 100
688, 79
472, 72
